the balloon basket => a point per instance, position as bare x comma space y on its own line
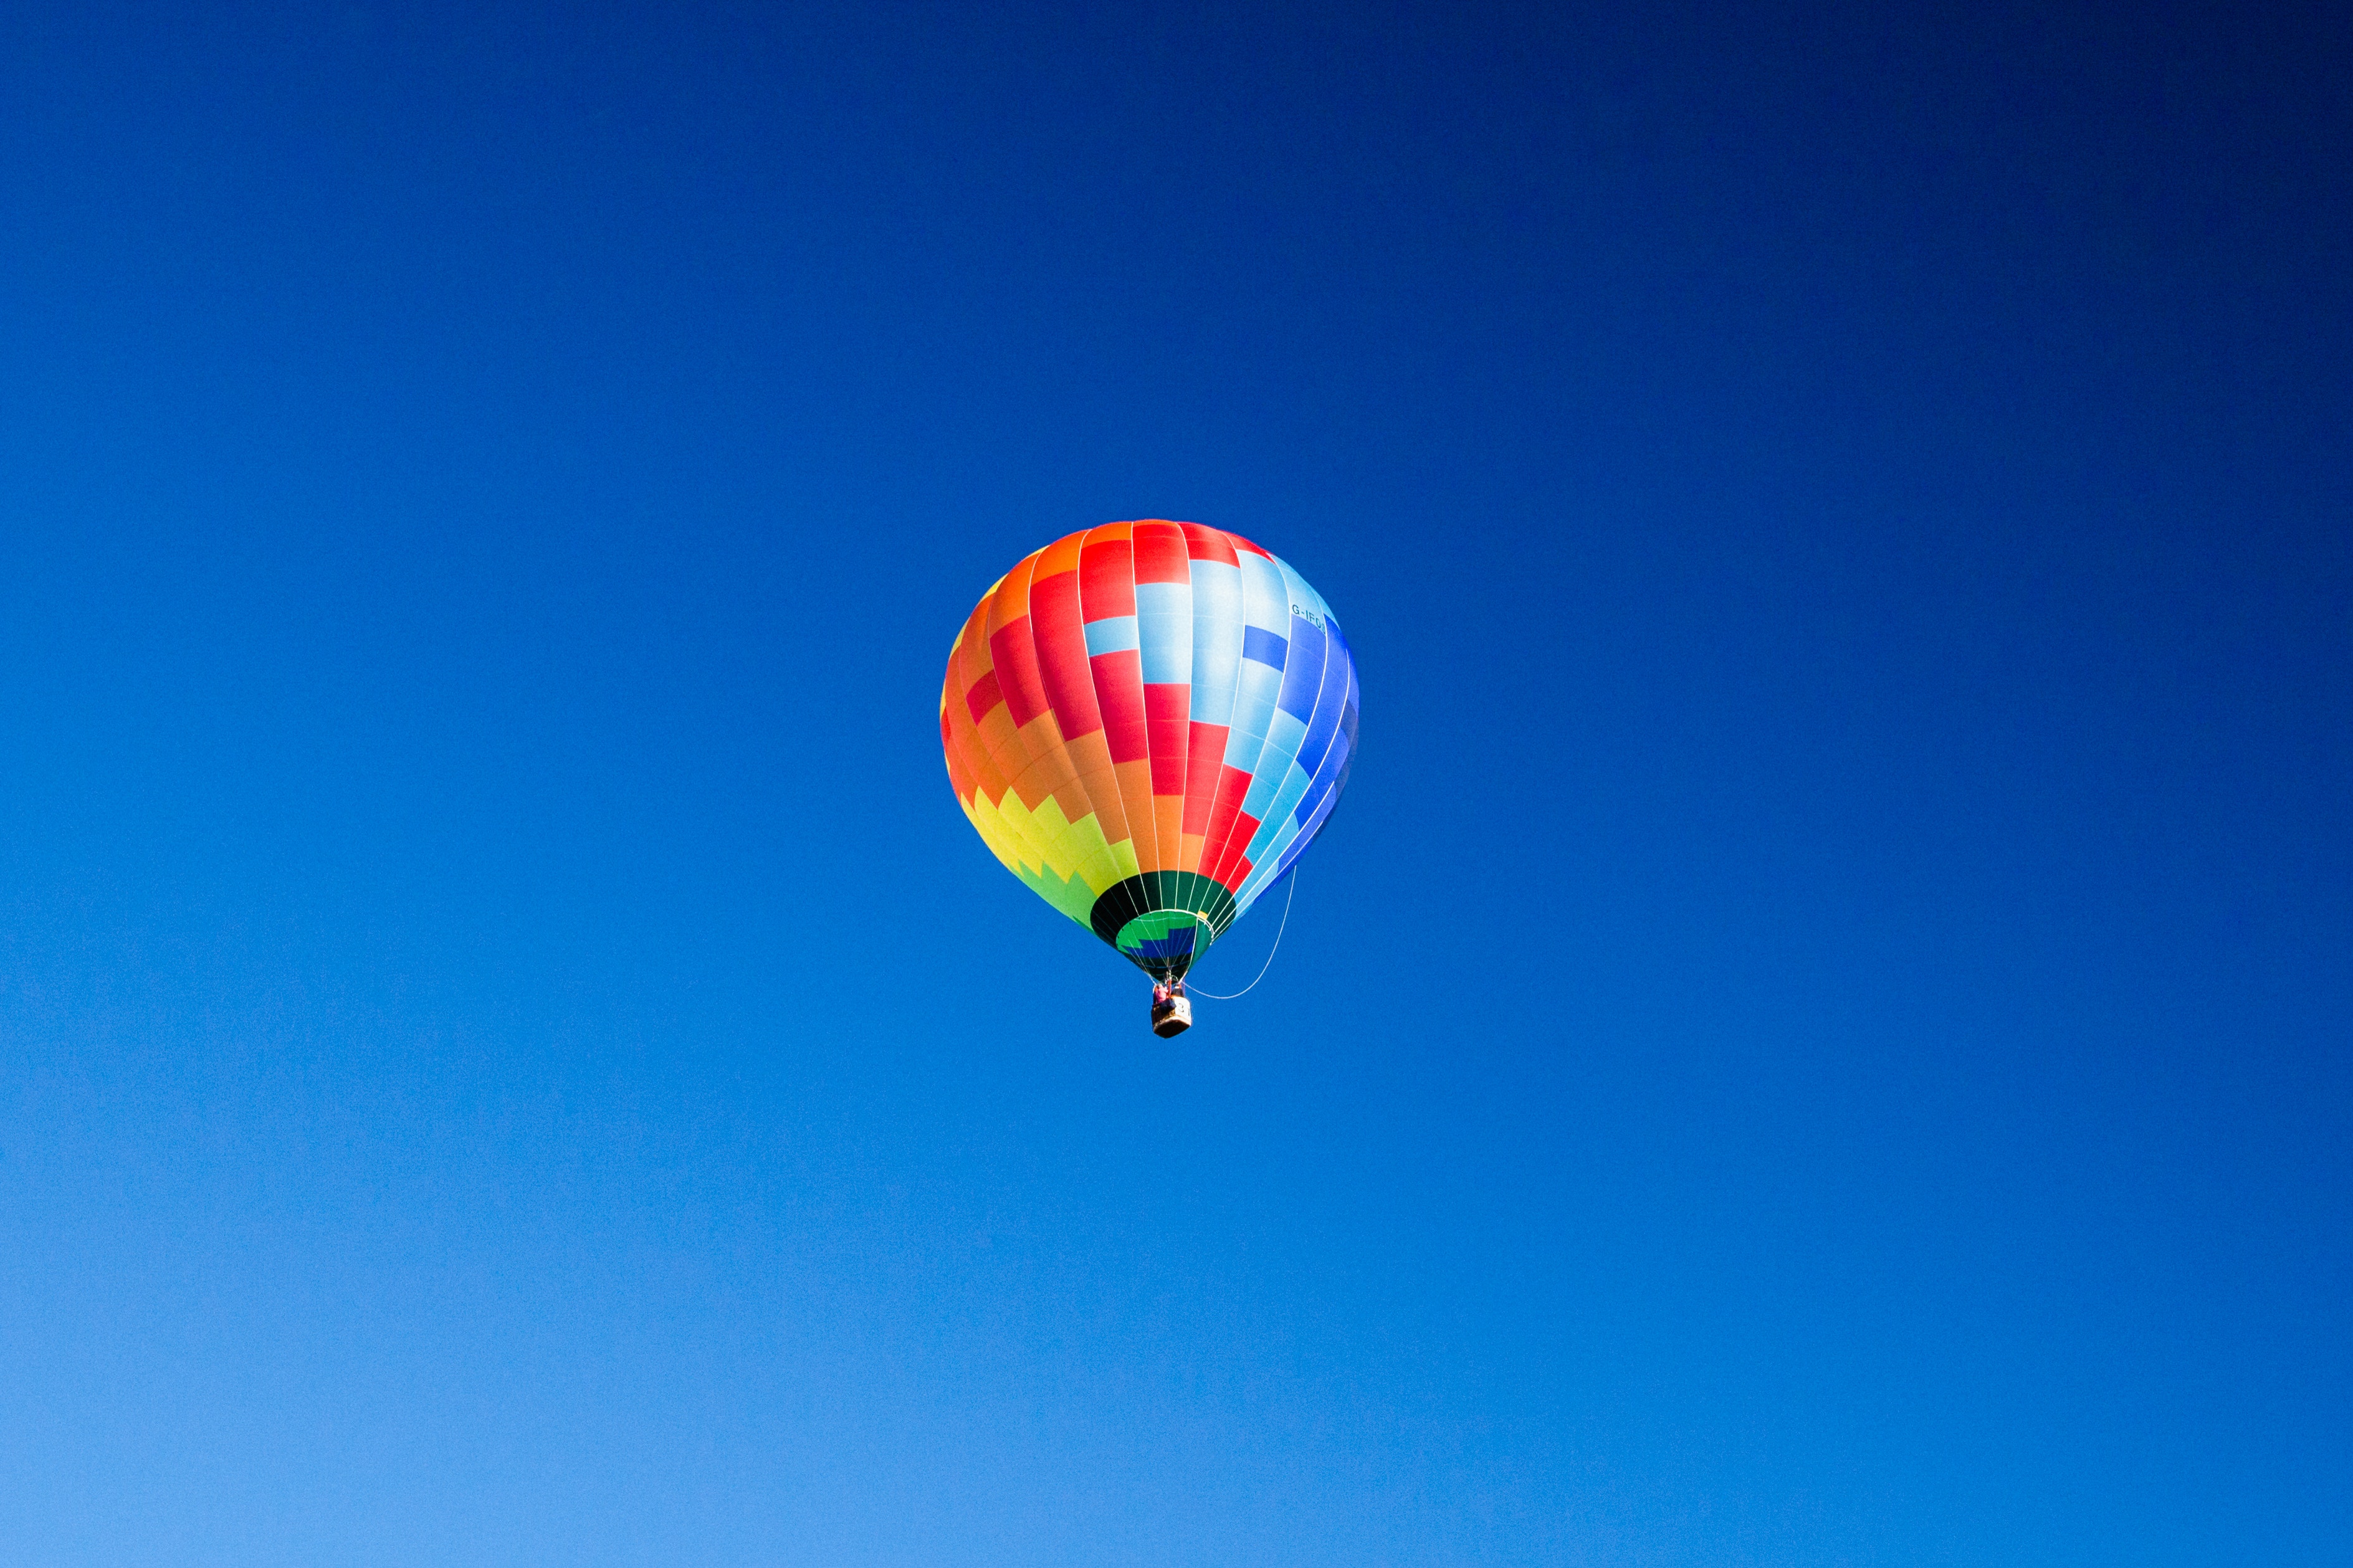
1172, 1017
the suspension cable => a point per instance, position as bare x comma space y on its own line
1291, 877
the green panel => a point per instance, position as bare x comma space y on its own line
1146, 907
1072, 896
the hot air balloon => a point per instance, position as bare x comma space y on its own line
1147, 722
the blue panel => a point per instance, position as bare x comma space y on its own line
1304, 675
1293, 813
1279, 810
1279, 864
1264, 646
1266, 596
1348, 734
1173, 599
1112, 634
1270, 848
1169, 653
1261, 791
1273, 764
1301, 597
1253, 706
1284, 734
1217, 639
1329, 701
1327, 776
1306, 820
1175, 944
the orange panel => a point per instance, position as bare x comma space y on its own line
1010, 602
1102, 792
1091, 759
1000, 757
972, 647
1042, 766
1135, 793
1062, 556
1167, 819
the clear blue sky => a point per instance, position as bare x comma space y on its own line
1818, 1034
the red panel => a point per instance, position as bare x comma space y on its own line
1107, 580
1166, 704
1236, 866
1119, 689
1160, 553
1205, 750
1205, 544
983, 695
1164, 707
1063, 654
1232, 785
1241, 544
1016, 665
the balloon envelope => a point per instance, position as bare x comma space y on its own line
1147, 722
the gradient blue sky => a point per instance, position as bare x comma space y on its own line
1818, 1034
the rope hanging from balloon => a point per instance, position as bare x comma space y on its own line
1291, 877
